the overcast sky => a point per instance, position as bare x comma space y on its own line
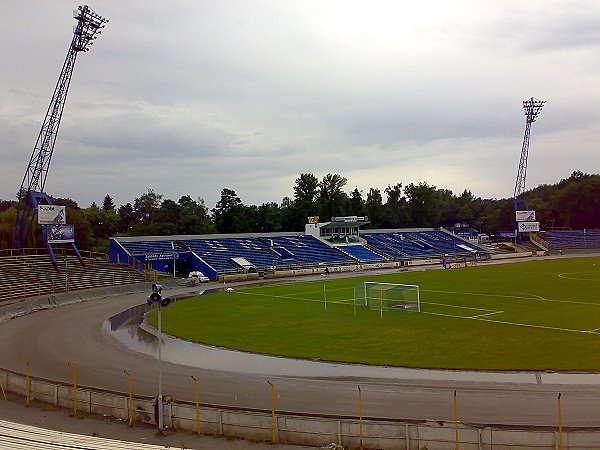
190, 97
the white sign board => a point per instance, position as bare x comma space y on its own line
52, 215
525, 216
529, 227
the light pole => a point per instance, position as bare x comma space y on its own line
174, 254
160, 396
156, 297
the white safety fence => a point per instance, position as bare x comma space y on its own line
296, 429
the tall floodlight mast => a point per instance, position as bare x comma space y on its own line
32, 187
532, 108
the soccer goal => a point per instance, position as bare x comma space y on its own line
387, 296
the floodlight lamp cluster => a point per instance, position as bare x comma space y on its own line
89, 24
532, 108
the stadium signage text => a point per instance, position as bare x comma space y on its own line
505, 234
160, 256
52, 214
528, 227
350, 219
525, 216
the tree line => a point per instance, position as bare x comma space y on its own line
573, 203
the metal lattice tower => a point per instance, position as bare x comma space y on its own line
88, 26
532, 108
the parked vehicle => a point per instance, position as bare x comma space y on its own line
198, 277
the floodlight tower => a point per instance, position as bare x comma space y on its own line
31, 192
532, 108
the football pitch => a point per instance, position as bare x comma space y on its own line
533, 315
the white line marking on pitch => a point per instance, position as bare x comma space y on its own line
524, 296
486, 314
502, 322
456, 306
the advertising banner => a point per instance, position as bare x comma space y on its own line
161, 256
505, 234
313, 219
60, 234
529, 227
525, 216
52, 214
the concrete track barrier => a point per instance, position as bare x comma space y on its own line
300, 429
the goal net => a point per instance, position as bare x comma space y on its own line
387, 296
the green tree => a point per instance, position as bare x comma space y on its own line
374, 207
306, 191
146, 206
395, 213
126, 218
228, 214
108, 203
357, 204
167, 218
103, 224
194, 216
268, 218
422, 205
332, 198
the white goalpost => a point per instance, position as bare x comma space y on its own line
387, 296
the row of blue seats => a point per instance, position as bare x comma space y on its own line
397, 245
218, 252
308, 250
420, 244
448, 243
559, 239
305, 249
362, 253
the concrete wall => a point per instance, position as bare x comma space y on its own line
295, 429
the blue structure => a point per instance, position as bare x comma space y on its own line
31, 192
220, 254
572, 239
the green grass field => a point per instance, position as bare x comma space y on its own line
536, 315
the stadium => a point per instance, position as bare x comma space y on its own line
378, 338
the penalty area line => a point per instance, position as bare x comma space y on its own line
486, 314
503, 322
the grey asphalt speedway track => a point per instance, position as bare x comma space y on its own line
73, 334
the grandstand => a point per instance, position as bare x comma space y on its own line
427, 243
572, 239
31, 275
216, 255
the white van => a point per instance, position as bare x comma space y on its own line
199, 276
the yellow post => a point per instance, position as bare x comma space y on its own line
560, 439
130, 397
74, 367
197, 406
27, 382
3, 393
360, 430
456, 421
273, 419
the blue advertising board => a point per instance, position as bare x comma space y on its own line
60, 234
